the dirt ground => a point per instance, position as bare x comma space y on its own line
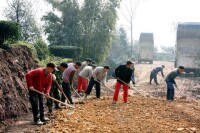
146, 113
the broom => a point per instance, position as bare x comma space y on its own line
183, 95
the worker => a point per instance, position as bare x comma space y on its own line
39, 79
123, 74
85, 63
68, 78
155, 72
133, 74
98, 76
55, 91
84, 76
171, 82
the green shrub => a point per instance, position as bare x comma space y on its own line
56, 60
9, 31
66, 51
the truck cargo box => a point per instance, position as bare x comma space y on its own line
188, 47
146, 48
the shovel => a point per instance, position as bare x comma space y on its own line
71, 107
183, 95
132, 87
80, 98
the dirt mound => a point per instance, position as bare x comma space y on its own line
14, 63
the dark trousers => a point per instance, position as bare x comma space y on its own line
153, 75
37, 105
54, 92
170, 90
66, 90
91, 85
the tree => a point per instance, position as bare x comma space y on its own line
131, 6
21, 12
9, 31
64, 30
99, 20
169, 50
120, 50
120, 47
90, 27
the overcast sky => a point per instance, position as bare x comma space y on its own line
157, 16
161, 16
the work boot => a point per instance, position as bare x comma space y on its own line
39, 122
45, 119
50, 110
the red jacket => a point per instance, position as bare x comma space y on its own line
38, 79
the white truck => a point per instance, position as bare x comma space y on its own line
188, 47
146, 48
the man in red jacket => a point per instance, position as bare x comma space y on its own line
39, 79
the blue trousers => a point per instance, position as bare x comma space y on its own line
66, 90
170, 90
90, 86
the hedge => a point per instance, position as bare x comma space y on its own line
66, 51
9, 31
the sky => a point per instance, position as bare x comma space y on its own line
161, 18
157, 16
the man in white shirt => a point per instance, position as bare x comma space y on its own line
99, 75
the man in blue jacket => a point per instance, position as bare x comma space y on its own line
171, 82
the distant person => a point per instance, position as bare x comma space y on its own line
98, 76
39, 79
93, 62
171, 82
154, 73
55, 91
133, 74
70, 62
84, 76
85, 63
68, 77
123, 74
